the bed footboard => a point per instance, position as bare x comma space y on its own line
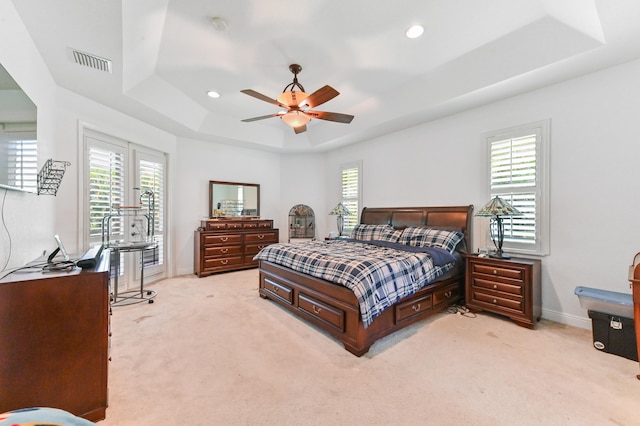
334, 308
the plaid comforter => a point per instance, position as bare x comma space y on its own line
380, 274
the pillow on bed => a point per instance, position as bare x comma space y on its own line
370, 232
391, 235
431, 237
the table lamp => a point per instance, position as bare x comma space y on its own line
496, 208
340, 210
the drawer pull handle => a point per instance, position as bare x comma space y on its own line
224, 238
224, 250
261, 236
495, 286
275, 289
261, 246
495, 272
416, 308
224, 261
448, 294
316, 310
495, 301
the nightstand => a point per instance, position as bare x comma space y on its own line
509, 287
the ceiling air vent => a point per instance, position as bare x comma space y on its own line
92, 61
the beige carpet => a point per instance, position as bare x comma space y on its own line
210, 351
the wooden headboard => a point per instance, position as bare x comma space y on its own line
455, 217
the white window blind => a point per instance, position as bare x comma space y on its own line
151, 176
22, 160
106, 188
518, 174
350, 181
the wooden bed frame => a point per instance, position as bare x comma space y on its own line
334, 308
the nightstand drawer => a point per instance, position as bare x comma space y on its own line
498, 286
516, 274
503, 302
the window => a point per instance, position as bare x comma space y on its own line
351, 189
518, 173
21, 169
119, 173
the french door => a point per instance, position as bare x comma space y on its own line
125, 203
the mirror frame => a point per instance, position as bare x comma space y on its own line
212, 207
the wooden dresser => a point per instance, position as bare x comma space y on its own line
509, 287
54, 340
223, 245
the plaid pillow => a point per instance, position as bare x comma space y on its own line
431, 237
370, 232
391, 235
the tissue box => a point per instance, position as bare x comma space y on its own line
614, 334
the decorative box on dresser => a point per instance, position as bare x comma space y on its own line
229, 244
54, 339
509, 287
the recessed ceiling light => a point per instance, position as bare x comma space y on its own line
213, 94
414, 31
219, 23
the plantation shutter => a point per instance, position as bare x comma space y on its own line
106, 188
350, 196
513, 178
151, 176
22, 160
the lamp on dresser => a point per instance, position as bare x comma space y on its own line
341, 211
496, 209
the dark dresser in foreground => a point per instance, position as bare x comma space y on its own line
54, 340
229, 244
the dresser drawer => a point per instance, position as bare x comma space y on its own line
497, 301
215, 226
222, 239
278, 290
261, 237
265, 224
221, 262
516, 274
322, 311
412, 308
222, 251
446, 294
253, 249
516, 289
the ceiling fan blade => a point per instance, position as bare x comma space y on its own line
330, 116
262, 117
321, 96
300, 129
263, 97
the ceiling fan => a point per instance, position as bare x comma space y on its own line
298, 104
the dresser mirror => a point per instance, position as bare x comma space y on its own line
233, 199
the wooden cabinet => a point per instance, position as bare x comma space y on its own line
509, 287
223, 245
54, 340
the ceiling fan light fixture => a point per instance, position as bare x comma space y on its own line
292, 98
295, 118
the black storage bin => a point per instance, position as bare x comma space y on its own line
613, 334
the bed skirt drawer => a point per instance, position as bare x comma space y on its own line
279, 291
412, 308
324, 312
446, 295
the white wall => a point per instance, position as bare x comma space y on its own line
199, 162
595, 230
303, 182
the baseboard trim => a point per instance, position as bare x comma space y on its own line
563, 318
